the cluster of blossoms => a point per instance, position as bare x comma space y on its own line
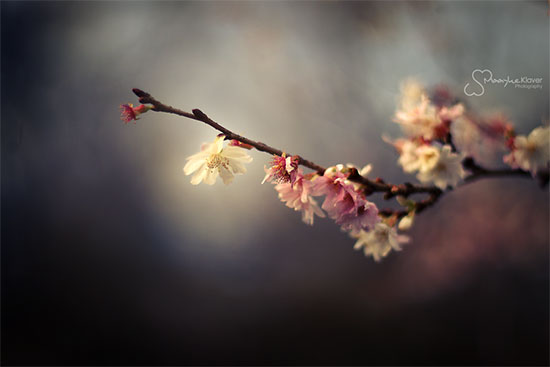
436, 130
439, 135
427, 125
344, 201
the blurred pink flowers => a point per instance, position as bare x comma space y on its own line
420, 118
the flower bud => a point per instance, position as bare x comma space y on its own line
406, 222
128, 112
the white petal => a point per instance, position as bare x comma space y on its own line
288, 166
226, 176
192, 165
540, 135
365, 170
236, 166
441, 183
210, 177
199, 155
406, 222
520, 141
403, 239
446, 150
199, 176
267, 174
424, 176
217, 146
237, 153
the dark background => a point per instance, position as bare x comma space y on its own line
110, 256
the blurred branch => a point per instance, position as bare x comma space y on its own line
479, 172
370, 186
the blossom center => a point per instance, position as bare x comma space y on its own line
382, 235
441, 167
215, 160
279, 170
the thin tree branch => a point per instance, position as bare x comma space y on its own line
198, 115
370, 186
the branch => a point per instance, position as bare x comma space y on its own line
479, 172
198, 115
370, 186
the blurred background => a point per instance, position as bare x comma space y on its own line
110, 255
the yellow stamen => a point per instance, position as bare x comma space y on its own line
216, 160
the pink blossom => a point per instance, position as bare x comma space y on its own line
128, 112
347, 206
298, 197
364, 216
282, 169
332, 186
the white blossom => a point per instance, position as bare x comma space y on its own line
531, 153
214, 159
379, 241
408, 158
442, 167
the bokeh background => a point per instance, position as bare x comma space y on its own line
110, 255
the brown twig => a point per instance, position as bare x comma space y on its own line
198, 115
370, 186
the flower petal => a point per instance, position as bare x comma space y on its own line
236, 166
199, 176
210, 177
237, 153
192, 165
226, 175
